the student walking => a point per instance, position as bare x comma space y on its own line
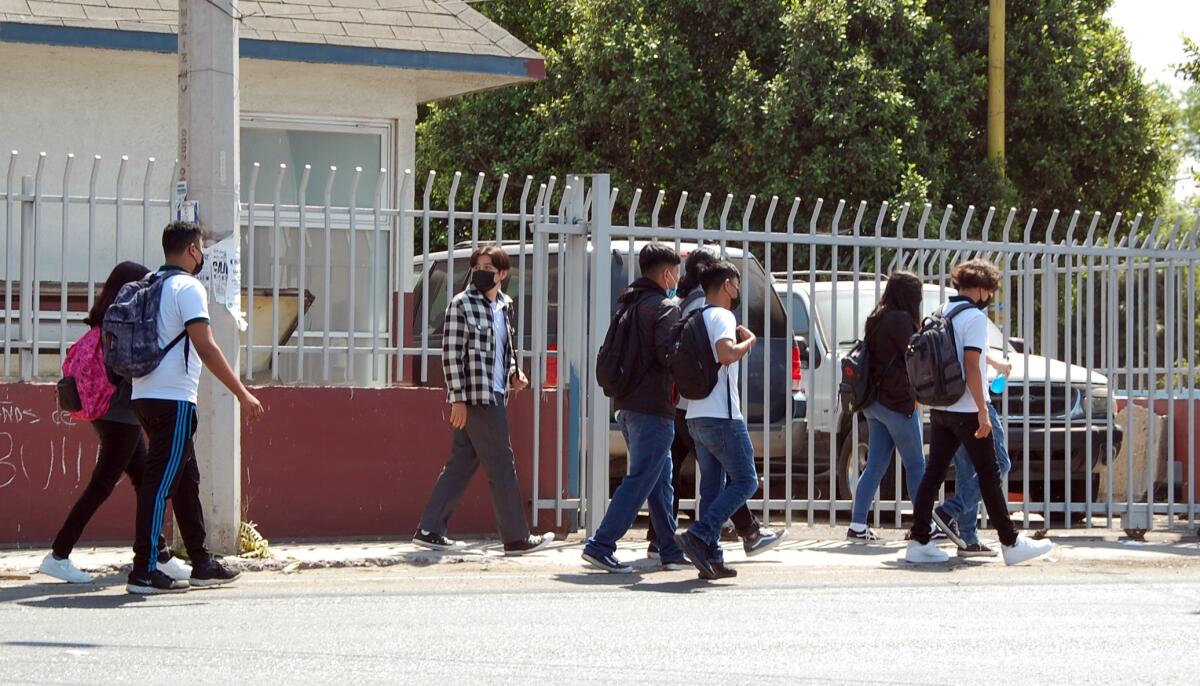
165, 403
646, 415
893, 423
480, 363
122, 445
756, 538
958, 516
718, 427
965, 422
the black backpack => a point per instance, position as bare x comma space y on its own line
620, 358
857, 390
934, 370
691, 360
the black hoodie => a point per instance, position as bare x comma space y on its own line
656, 314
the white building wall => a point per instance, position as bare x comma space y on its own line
112, 103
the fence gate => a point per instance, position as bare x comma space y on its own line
564, 282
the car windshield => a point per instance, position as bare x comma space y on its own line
849, 324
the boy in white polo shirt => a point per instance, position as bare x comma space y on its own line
717, 426
967, 423
165, 403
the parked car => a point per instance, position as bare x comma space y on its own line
813, 314
765, 412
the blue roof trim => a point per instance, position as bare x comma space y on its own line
148, 41
112, 39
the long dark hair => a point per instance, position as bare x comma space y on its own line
902, 294
696, 262
121, 274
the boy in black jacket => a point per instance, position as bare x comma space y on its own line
646, 416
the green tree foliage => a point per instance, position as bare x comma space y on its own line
858, 99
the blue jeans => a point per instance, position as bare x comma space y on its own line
649, 439
964, 506
722, 448
888, 431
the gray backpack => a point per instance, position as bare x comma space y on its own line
934, 370
130, 331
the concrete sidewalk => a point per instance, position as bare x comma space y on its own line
806, 547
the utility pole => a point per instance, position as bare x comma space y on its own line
995, 80
208, 163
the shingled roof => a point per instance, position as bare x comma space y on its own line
445, 26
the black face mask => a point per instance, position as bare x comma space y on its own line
199, 266
736, 302
483, 281
984, 304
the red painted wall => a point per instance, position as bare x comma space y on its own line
326, 462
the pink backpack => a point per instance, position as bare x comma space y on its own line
85, 363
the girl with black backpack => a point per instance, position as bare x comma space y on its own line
893, 423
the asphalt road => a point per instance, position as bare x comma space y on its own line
496, 621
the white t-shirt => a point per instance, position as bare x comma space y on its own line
183, 302
500, 366
720, 324
970, 333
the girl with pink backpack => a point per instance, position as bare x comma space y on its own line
122, 444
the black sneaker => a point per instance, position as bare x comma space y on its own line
949, 526
863, 537
723, 571
153, 583
697, 552
213, 573
976, 550
608, 563
432, 541
531, 544
762, 540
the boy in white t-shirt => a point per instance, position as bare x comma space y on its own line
717, 426
967, 422
165, 403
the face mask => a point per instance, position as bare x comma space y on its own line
483, 281
199, 266
672, 292
984, 304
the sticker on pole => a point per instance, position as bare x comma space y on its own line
222, 276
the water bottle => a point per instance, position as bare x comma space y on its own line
998, 384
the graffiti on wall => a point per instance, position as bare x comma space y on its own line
39, 448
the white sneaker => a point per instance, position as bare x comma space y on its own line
1025, 549
925, 554
64, 570
176, 569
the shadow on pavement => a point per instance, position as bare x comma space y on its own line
851, 549
55, 589
639, 583
91, 602
941, 568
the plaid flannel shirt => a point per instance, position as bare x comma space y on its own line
469, 347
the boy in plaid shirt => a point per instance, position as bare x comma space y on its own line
480, 363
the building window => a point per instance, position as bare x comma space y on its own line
271, 141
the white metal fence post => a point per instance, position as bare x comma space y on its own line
597, 458
28, 355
